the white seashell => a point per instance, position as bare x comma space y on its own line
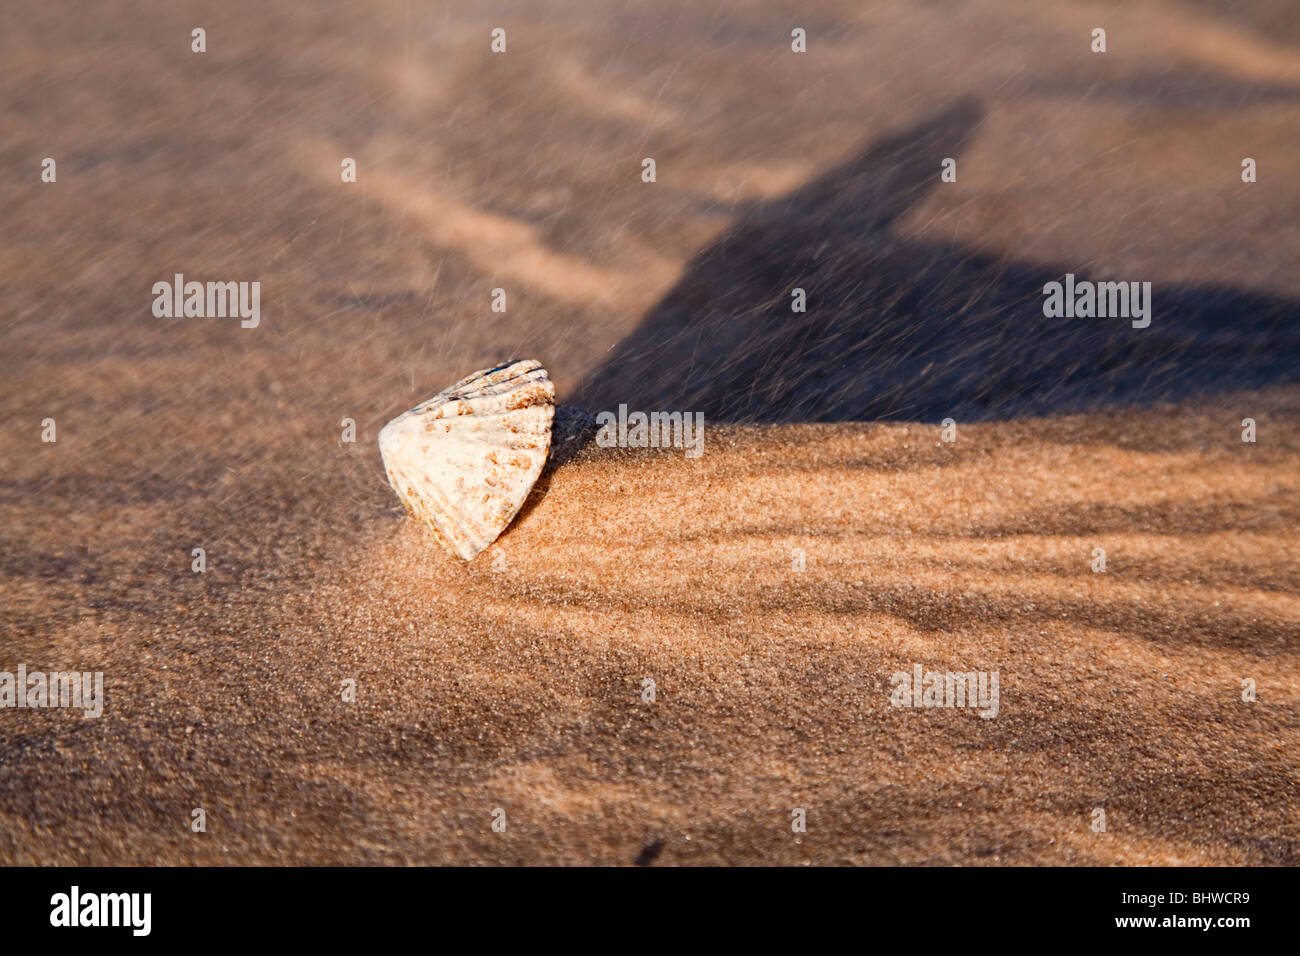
464, 461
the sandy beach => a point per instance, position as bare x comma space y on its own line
826, 540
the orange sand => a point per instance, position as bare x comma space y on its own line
516, 682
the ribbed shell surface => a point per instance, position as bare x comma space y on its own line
464, 461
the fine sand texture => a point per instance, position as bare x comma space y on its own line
826, 540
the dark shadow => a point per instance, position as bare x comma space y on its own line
904, 329
649, 853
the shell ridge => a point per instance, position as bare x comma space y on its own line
466, 471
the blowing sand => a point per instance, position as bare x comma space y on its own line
770, 588
516, 681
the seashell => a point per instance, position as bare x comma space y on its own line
464, 461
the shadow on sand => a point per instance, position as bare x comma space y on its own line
905, 329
